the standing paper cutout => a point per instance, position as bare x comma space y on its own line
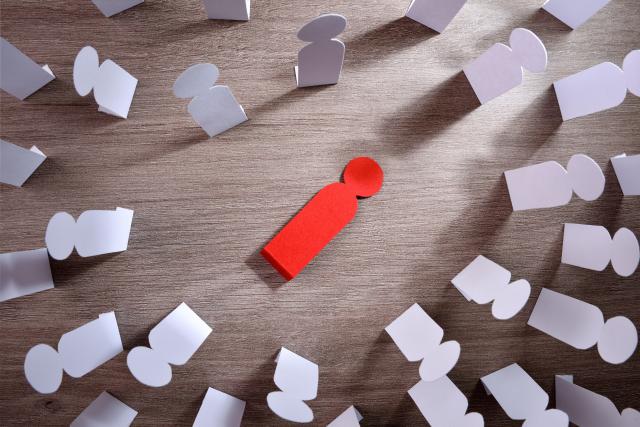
574, 12
24, 273
500, 68
627, 170
442, 404
111, 7
322, 218
172, 341
484, 281
522, 398
213, 107
233, 10
17, 164
105, 411
297, 378
220, 410
548, 184
435, 14
582, 325
349, 418
80, 351
418, 337
20, 76
320, 62
598, 88
113, 87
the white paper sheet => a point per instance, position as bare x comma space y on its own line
435, 14
111, 7
627, 170
220, 410
320, 62
349, 418
105, 411
442, 404
24, 273
20, 76
233, 10
574, 13
17, 164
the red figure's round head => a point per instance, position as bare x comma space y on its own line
364, 176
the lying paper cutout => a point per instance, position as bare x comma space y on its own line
442, 404
435, 14
113, 87
297, 378
172, 341
548, 184
213, 107
349, 418
219, 409
500, 68
320, 220
232, 10
20, 76
591, 246
582, 325
627, 170
320, 62
24, 273
484, 281
105, 411
574, 13
598, 88
111, 7
17, 164
80, 351
95, 233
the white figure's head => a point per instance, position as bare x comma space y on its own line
85, 70
324, 27
586, 177
195, 80
529, 49
618, 340
631, 69
60, 236
149, 367
43, 368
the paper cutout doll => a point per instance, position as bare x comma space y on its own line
24, 273
213, 107
80, 351
419, 337
320, 62
442, 404
17, 164
522, 398
435, 14
349, 418
484, 281
111, 7
173, 341
95, 233
297, 378
113, 87
574, 13
582, 325
500, 68
232, 10
322, 218
548, 184
219, 409
627, 170
105, 411
20, 76
598, 88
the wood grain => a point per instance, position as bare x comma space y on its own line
203, 208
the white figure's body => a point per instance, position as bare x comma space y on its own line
23, 273
574, 12
297, 378
522, 398
548, 184
20, 76
419, 337
95, 233
105, 411
80, 351
582, 325
442, 404
232, 10
111, 7
113, 87
219, 409
500, 68
591, 247
627, 170
349, 418
320, 62
17, 164
435, 14
598, 88
214, 108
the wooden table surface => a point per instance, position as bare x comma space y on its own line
205, 207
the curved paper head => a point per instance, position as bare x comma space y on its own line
364, 176
549, 418
586, 177
529, 49
60, 235
195, 80
85, 70
324, 27
625, 252
43, 368
631, 68
296, 375
148, 367
439, 361
415, 333
289, 407
618, 340
511, 299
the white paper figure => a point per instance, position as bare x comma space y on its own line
574, 12
113, 87
20, 76
591, 246
80, 351
320, 62
349, 418
548, 184
111, 7
95, 233
232, 10
500, 68
442, 404
418, 337
17, 164
172, 341
627, 170
522, 398
435, 14
582, 325
219, 409
105, 411
214, 108
598, 88
24, 273
297, 378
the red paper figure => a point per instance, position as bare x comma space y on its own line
322, 218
